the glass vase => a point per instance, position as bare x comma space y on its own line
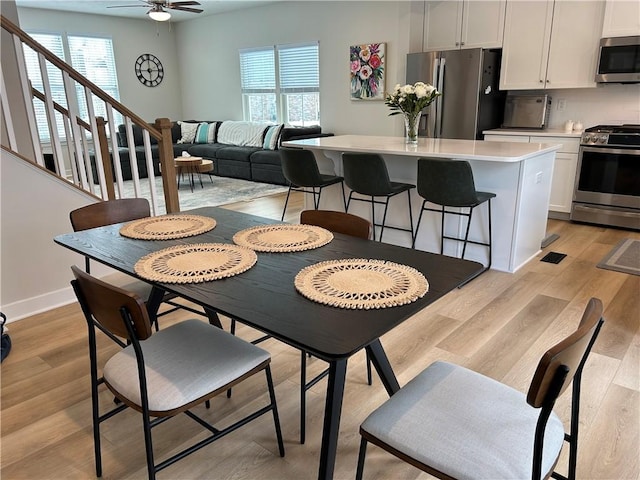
411, 122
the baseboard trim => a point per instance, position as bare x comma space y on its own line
41, 303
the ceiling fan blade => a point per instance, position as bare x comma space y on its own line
185, 9
183, 3
126, 6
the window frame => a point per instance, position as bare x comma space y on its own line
281, 94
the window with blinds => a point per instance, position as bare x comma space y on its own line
91, 56
281, 84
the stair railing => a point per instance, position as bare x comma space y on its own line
89, 154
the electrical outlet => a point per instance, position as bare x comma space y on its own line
539, 177
562, 104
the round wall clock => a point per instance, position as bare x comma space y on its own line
149, 70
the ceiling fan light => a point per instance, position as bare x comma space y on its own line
159, 15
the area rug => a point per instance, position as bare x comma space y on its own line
625, 257
215, 191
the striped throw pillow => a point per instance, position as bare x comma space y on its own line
272, 137
205, 133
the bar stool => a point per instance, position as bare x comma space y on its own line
449, 183
366, 174
301, 171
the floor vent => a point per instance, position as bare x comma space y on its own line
553, 257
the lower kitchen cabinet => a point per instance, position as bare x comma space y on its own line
564, 169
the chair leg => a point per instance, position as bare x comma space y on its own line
274, 405
286, 201
373, 219
148, 444
466, 234
361, 456
490, 246
303, 395
317, 203
384, 216
96, 429
415, 235
410, 213
442, 232
344, 199
346, 210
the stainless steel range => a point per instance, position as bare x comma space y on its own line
607, 188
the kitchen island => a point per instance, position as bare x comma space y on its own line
518, 173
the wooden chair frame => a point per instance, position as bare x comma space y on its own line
135, 326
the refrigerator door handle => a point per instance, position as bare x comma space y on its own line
439, 86
432, 111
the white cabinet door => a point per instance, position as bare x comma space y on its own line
562, 183
621, 18
525, 50
573, 52
483, 24
456, 24
442, 25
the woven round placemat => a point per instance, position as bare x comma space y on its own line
283, 237
360, 283
195, 263
167, 227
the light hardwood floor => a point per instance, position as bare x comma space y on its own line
499, 324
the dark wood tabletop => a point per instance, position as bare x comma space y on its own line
265, 298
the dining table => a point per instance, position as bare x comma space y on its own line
264, 297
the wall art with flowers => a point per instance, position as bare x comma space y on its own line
367, 65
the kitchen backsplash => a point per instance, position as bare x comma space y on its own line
606, 104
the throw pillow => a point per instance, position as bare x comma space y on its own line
205, 133
243, 134
272, 137
188, 132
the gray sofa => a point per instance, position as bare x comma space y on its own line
246, 162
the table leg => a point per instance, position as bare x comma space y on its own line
153, 304
332, 411
383, 367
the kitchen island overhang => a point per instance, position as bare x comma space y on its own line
518, 173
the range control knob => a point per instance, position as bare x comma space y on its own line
602, 139
588, 139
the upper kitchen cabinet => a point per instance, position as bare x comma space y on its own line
452, 25
550, 44
621, 18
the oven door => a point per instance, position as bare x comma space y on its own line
608, 176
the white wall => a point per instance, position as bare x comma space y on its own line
34, 209
130, 38
209, 61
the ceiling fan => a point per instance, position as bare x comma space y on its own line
157, 10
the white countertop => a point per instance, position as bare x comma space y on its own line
428, 147
548, 132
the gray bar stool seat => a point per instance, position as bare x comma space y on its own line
366, 174
450, 184
300, 169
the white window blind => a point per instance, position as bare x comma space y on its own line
299, 68
91, 56
281, 83
53, 43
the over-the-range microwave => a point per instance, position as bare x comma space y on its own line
619, 60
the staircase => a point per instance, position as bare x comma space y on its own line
89, 148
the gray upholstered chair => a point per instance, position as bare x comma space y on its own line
452, 422
449, 183
165, 373
301, 171
366, 174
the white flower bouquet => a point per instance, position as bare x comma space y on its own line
411, 99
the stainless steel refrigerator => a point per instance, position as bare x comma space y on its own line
470, 100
